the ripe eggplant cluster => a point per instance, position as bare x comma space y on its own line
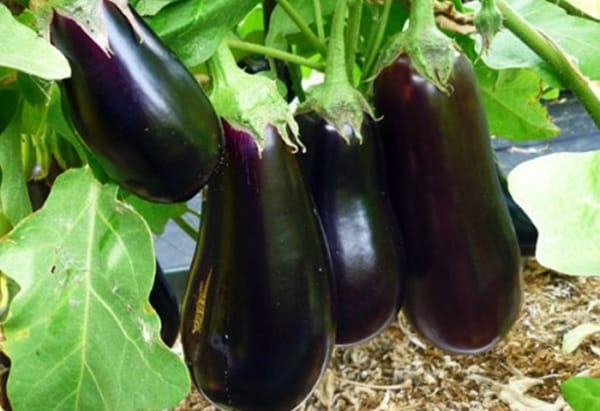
298, 252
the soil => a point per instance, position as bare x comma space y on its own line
399, 371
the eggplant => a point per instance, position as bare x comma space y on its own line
4, 371
527, 233
463, 281
258, 325
137, 107
164, 302
348, 185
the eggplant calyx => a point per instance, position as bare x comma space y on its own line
89, 17
488, 22
432, 54
341, 106
336, 100
250, 103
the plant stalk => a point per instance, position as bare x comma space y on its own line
335, 70
299, 21
353, 35
319, 20
186, 227
274, 53
373, 50
550, 52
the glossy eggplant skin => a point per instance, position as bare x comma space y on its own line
527, 233
257, 328
4, 371
164, 302
349, 188
463, 283
137, 108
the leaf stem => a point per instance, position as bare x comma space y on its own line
319, 20
275, 53
299, 21
551, 53
353, 35
195, 213
186, 227
373, 50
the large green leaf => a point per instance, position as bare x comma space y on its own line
576, 36
14, 198
22, 49
194, 28
582, 393
511, 100
561, 194
81, 334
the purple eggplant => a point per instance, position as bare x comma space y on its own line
4, 370
164, 302
347, 181
257, 326
527, 233
463, 284
137, 107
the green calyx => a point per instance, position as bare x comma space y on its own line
250, 102
431, 52
340, 105
336, 100
488, 22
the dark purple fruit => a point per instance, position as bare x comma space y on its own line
463, 285
137, 107
348, 185
257, 327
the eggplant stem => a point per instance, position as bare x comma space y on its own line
551, 53
335, 70
353, 35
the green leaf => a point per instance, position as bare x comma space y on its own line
9, 100
81, 333
576, 36
282, 26
34, 90
156, 214
14, 197
22, 49
60, 124
511, 101
194, 28
582, 393
252, 26
574, 338
151, 7
561, 194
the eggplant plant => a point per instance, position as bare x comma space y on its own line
378, 193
